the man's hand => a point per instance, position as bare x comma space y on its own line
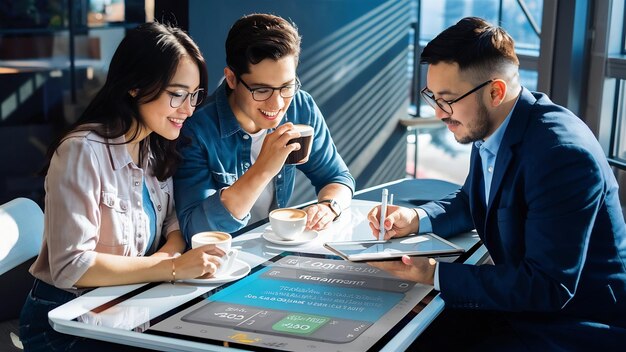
275, 149
418, 269
399, 221
319, 216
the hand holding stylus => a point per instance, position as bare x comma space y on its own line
399, 222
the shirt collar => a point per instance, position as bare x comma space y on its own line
228, 122
120, 156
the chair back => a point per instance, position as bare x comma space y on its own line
21, 232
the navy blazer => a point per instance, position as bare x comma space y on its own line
553, 227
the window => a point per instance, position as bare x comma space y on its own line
54, 56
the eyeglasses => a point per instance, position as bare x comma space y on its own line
178, 97
264, 93
446, 105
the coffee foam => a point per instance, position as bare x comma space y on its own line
287, 214
211, 237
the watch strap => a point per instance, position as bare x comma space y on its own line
333, 205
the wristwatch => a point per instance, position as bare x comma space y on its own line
334, 206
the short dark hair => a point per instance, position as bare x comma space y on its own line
474, 44
145, 60
256, 37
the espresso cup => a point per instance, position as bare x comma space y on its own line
288, 223
301, 156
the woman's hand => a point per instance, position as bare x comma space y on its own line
198, 262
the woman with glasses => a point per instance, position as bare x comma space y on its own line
109, 212
233, 171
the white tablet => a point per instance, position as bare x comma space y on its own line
423, 245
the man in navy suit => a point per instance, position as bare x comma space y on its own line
540, 194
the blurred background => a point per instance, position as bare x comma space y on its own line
359, 61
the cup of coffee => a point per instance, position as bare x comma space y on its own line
301, 156
221, 240
288, 223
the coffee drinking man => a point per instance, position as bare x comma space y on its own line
233, 170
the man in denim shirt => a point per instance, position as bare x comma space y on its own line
233, 171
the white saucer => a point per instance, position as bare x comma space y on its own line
306, 236
239, 270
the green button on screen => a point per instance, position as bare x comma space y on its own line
302, 324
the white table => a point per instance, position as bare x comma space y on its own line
254, 250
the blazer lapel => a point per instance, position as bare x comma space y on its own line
476, 196
513, 135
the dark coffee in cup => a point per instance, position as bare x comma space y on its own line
306, 142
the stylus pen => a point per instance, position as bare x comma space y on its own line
383, 215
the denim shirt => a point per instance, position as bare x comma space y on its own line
218, 153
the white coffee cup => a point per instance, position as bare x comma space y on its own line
221, 240
288, 223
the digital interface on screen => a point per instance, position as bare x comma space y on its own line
299, 303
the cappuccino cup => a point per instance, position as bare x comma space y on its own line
301, 156
221, 240
288, 223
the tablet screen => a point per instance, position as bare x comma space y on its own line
419, 245
294, 302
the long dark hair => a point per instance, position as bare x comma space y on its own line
144, 62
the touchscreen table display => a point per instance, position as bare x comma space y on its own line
298, 302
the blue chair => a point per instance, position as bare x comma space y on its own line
21, 234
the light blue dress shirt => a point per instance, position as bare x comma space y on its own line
488, 152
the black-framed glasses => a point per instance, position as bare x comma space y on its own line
446, 105
264, 93
177, 98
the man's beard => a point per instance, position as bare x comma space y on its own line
479, 128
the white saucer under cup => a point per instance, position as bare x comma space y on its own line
305, 237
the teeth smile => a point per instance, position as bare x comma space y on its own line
269, 113
180, 121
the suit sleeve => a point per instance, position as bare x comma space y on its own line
562, 191
454, 209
